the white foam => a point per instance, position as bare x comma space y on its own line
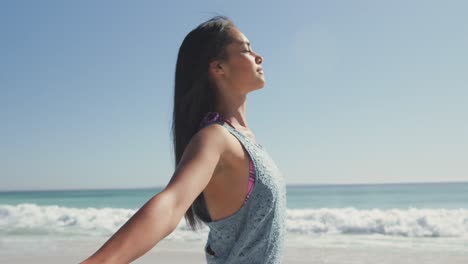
393, 222
32, 219
27, 219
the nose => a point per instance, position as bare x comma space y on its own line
258, 59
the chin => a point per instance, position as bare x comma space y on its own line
259, 87
262, 85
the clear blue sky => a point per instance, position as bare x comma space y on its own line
356, 91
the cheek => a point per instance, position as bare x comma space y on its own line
244, 68
241, 69
242, 76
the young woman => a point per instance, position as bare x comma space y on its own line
223, 177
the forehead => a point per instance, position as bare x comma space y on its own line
239, 38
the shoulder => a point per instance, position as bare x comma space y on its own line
213, 136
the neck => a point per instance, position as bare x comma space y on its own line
233, 108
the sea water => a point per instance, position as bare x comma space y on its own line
414, 216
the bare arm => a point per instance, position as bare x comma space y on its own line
161, 214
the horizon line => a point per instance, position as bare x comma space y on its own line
287, 185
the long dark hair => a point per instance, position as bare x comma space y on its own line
194, 92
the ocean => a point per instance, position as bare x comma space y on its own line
410, 216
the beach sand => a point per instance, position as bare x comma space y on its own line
73, 251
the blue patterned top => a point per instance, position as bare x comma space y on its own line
256, 232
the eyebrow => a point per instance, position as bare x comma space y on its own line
244, 42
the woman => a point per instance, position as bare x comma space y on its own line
223, 177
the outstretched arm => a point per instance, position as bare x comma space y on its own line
161, 214
150, 224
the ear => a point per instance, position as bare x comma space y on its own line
216, 67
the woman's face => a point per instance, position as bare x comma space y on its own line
242, 70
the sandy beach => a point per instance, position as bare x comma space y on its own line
72, 251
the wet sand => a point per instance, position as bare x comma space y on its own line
70, 251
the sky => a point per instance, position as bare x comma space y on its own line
356, 91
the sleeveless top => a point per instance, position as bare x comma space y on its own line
256, 232
216, 117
